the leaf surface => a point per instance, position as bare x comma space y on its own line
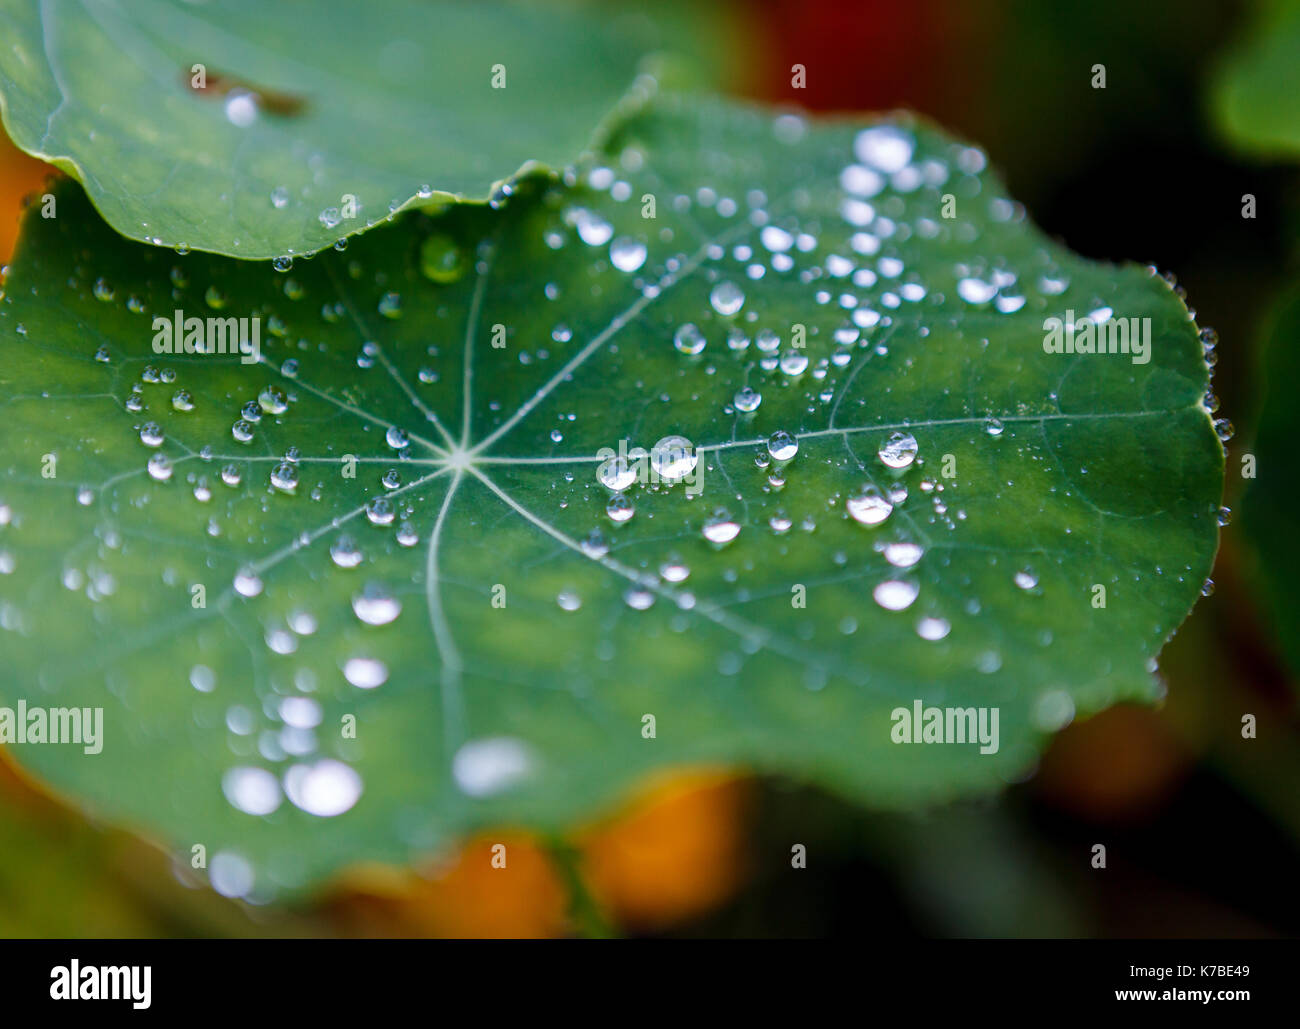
315, 120
498, 635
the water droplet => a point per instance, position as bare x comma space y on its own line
151, 434
727, 298
883, 147
160, 467
627, 254
390, 305
793, 362
365, 673
231, 475
254, 791
869, 507
1026, 579
326, 788
102, 290
379, 511
592, 228
747, 399
895, 594
441, 259
284, 476
898, 451
674, 571
568, 600
248, 583
994, 427
376, 605
242, 430
689, 339
673, 458
182, 401
782, 446
280, 197
241, 108
931, 628
616, 474
721, 528
903, 555
272, 401
345, 553
283, 263
620, 508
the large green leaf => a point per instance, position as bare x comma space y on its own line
533, 632
1255, 94
305, 105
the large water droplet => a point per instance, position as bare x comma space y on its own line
898, 451
868, 507
895, 594
376, 605
727, 298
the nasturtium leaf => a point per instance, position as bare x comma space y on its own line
314, 121
1255, 93
948, 509
1269, 503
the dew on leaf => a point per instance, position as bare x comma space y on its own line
898, 451
376, 605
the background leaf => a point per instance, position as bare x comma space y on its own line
1255, 96
305, 104
1069, 472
